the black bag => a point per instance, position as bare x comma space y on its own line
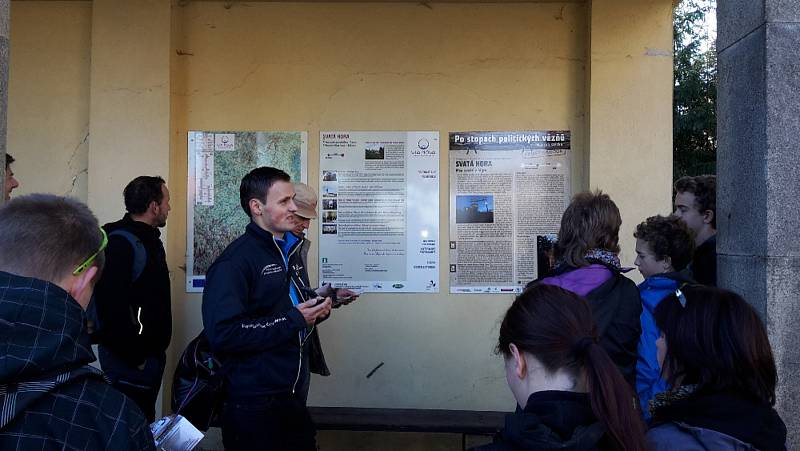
197, 385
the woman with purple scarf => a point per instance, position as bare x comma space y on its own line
588, 265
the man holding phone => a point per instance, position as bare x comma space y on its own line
258, 322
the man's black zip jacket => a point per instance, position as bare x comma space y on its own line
248, 315
128, 332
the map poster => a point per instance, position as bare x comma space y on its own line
217, 162
508, 191
379, 211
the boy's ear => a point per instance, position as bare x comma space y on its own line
667, 262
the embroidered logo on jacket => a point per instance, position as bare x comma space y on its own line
264, 325
272, 268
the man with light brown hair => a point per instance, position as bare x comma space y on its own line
51, 254
696, 205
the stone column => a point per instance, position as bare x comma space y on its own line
4, 44
758, 200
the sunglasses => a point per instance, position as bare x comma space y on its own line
88, 262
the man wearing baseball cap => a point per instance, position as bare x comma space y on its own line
306, 201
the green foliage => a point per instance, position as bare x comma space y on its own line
694, 111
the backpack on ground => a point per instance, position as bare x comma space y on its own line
197, 385
139, 261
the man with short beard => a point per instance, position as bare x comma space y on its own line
133, 295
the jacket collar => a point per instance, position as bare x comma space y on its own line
41, 313
142, 230
262, 235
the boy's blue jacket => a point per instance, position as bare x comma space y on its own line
648, 373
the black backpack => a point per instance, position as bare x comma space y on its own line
95, 323
197, 385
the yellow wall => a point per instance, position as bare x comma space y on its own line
406, 66
630, 109
601, 69
48, 99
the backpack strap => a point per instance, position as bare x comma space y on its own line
139, 252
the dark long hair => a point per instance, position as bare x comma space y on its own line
555, 326
716, 340
591, 221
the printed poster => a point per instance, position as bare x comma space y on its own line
508, 191
379, 215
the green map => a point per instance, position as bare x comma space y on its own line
217, 163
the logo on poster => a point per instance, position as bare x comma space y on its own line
224, 142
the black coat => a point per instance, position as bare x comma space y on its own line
136, 316
552, 420
52, 399
249, 318
704, 262
616, 309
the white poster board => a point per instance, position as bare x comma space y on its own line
508, 191
379, 211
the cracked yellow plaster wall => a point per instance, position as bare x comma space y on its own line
379, 66
48, 99
630, 110
129, 99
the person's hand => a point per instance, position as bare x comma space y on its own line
312, 312
345, 296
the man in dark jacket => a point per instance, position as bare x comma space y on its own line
133, 295
696, 205
258, 322
51, 250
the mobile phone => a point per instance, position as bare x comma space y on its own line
311, 294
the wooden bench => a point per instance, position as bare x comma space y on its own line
464, 422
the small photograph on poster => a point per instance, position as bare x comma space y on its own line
329, 204
474, 208
330, 191
329, 229
329, 216
374, 153
329, 176
545, 253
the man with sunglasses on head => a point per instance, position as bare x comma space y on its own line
134, 314
51, 253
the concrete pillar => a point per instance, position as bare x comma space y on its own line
630, 109
4, 45
758, 200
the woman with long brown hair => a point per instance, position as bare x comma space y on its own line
587, 263
569, 392
715, 354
